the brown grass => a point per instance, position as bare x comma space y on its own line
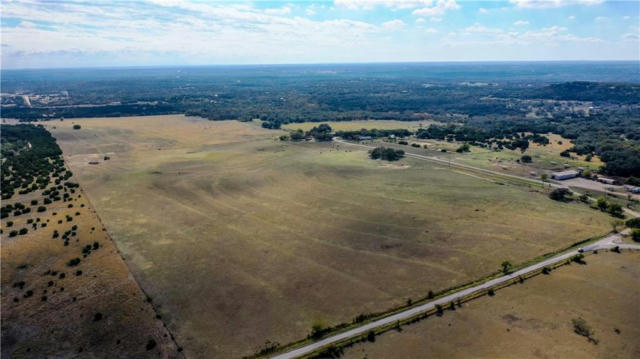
532, 320
241, 238
63, 325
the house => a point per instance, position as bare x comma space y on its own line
632, 189
564, 175
606, 180
364, 138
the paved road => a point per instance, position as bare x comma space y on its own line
605, 243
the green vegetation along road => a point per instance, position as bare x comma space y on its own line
609, 242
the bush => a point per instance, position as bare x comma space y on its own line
42, 208
13, 233
559, 194
615, 210
525, 159
403, 143
632, 223
464, 148
76, 127
635, 234
581, 327
23, 231
388, 154
602, 204
74, 262
371, 336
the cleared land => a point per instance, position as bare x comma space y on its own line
533, 319
52, 309
240, 238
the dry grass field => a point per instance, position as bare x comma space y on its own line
532, 320
92, 309
240, 238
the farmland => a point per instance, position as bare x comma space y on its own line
533, 319
239, 238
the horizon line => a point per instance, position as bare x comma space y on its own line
313, 64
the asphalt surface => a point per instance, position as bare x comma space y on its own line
608, 242
605, 243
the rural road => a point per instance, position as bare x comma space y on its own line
605, 243
476, 169
608, 242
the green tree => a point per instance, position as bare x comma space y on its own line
506, 267
635, 234
615, 209
602, 203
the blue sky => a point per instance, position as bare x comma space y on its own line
37, 34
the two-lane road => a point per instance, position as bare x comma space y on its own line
605, 243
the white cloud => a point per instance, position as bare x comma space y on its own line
545, 4
631, 36
521, 23
435, 19
420, 20
280, 11
431, 30
483, 10
437, 9
393, 24
370, 4
571, 18
601, 18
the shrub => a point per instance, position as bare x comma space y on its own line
74, 262
76, 127
403, 143
581, 327
42, 208
602, 203
464, 148
559, 194
635, 234
23, 231
615, 209
9, 223
633, 223
525, 159
371, 336
491, 292
97, 317
151, 344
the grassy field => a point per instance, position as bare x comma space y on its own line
545, 159
532, 320
240, 238
358, 125
53, 313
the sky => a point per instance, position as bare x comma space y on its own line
98, 33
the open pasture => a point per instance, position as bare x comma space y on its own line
532, 320
240, 238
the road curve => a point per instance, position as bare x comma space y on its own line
605, 243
